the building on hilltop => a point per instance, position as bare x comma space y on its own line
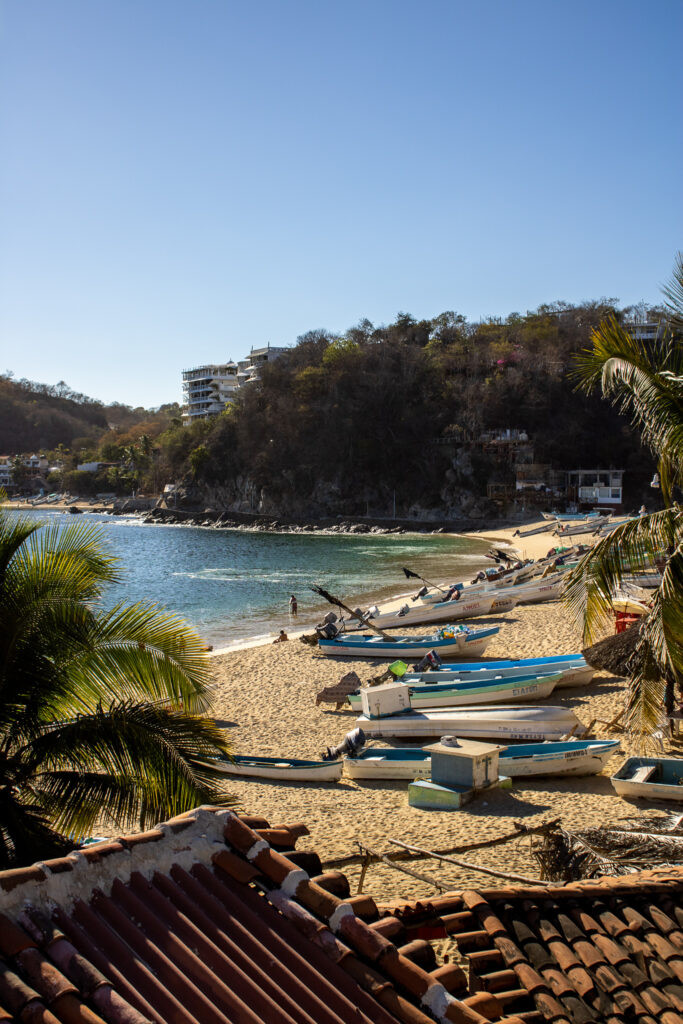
209, 389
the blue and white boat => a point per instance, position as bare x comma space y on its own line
569, 758
571, 670
449, 642
476, 691
654, 778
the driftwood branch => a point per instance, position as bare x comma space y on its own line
402, 855
369, 854
468, 864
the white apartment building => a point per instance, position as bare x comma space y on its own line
208, 390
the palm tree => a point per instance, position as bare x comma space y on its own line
644, 380
100, 711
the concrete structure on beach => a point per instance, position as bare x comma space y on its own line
209, 389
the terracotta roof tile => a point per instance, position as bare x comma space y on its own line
214, 917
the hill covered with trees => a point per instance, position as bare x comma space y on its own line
346, 425
376, 419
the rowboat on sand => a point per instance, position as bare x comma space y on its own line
405, 614
570, 671
654, 778
571, 758
281, 768
493, 691
499, 722
458, 642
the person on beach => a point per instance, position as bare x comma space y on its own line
293, 606
281, 638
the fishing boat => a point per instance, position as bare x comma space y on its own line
492, 691
547, 589
536, 529
458, 642
449, 610
654, 778
500, 722
282, 768
571, 758
574, 673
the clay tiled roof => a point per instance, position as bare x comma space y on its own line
214, 918
605, 950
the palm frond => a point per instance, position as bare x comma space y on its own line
674, 294
166, 752
590, 585
645, 382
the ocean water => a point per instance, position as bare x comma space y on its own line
231, 585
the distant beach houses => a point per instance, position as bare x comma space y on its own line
210, 388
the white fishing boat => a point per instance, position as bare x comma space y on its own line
280, 768
458, 642
535, 529
500, 722
548, 589
567, 674
569, 759
405, 614
654, 778
492, 691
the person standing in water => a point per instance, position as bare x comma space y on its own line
293, 607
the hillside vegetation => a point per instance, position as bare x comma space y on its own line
346, 425
350, 425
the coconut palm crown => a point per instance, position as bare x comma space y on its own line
101, 712
644, 380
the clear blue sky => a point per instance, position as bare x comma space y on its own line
183, 179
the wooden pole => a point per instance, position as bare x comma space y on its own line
401, 855
467, 864
374, 857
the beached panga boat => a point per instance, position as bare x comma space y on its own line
286, 769
405, 614
493, 691
570, 669
654, 778
500, 722
460, 642
571, 758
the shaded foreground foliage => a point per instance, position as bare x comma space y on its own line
101, 713
645, 380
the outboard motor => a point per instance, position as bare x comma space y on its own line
351, 744
421, 593
327, 630
330, 617
403, 610
429, 663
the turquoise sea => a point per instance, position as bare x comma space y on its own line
232, 584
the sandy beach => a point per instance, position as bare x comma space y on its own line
265, 700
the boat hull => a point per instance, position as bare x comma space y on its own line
572, 675
664, 782
576, 758
440, 611
281, 769
462, 645
497, 691
504, 723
